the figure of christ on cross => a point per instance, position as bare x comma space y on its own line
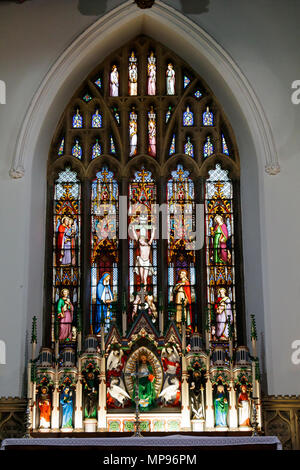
143, 267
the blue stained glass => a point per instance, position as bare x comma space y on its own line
208, 118
198, 94
96, 119
96, 151
61, 147
77, 120
77, 150
189, 148
188, 117
208, 148
186, 81
116, 115
98, 83
224, 146
172, 146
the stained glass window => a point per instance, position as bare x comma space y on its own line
104, 249
220, 260
224, 146
208, 148
116, 114
181, 252
112, 146
172, 148
142, 246
152, 132
168, 114
133, 75
77, 120
170, 79
114, 81
98, 82
66, 256
77, 149
121, 122
151, 74
198, 94
96, 149
188, 147
87, 98
188, 117
208, 118
186, 81
61, 148
97, 119
133, 133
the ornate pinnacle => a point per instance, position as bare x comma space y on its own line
34, 331
253, 328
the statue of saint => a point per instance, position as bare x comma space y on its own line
244, 407
65, 312
221, 406
66, 401
146, 381
183, 298
44, 403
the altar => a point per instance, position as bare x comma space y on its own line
146, 446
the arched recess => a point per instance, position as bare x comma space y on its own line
192, 43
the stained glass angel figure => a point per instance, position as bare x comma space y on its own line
132, 75
170, 80
152, 132
114, 81
133, 133
151, 74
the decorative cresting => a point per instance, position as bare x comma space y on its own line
94, 38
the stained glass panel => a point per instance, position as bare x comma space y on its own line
61, 148
133, 133
77, 150
77, 120
173, 145
142, 246
181, 252
220, 255
152, 132
188, 117
224, 146
114, 81
66, 257
208, 148
96, 149
133, 75
96, 119
188, 147
104, 249
208, 118
170, 79
151, 74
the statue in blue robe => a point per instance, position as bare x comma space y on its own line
66, 401
221, 407
104, 297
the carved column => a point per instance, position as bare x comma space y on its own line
102, 397
185, 401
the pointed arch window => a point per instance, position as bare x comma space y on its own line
142, 125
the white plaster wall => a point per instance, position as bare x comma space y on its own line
262, 37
